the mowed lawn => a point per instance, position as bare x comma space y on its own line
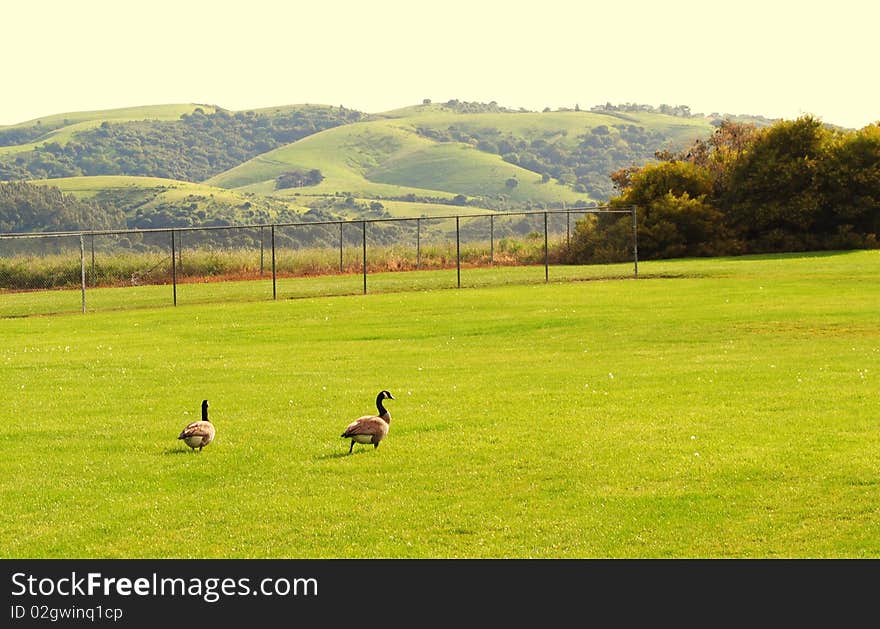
719, 408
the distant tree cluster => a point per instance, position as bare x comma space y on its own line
298, 179
201, 211
24, 135
144, 209
194, 148
465, 107
794, 186
29, 208
26, 208
347, 203
682, 111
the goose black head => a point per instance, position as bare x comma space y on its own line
383, 412
205, 410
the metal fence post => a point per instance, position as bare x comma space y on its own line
546, 252
458, 251
173, 269
340, 248
418, 243
364, 234
568, 230
635, 243
274, 291
261, 251
492, 239
82, 270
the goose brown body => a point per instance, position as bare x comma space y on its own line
370, 428
200, 433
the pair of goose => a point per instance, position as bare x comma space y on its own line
365, 429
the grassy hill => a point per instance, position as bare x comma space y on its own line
144, 112
399, 154
418, 160
554, 124
145, 200
61, 128
383, 158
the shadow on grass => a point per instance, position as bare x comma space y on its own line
790, 255
342, 454
180, 451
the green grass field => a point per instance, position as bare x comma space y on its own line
295, 286
714, 408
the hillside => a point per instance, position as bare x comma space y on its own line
388, 159
197, 144
151, 202
518, 157
216, 164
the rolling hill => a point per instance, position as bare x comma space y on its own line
151, 202
190, 164
385, 159
60, 128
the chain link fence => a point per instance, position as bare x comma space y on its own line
101, 270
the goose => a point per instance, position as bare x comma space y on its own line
198, 434
370, 428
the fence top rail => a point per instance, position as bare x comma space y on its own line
109, 232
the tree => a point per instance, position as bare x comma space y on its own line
772, 196
675, 226
655, 181
298, 179
26, 207
792, 186
675, 216
849, 184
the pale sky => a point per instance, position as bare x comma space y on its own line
780, 59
